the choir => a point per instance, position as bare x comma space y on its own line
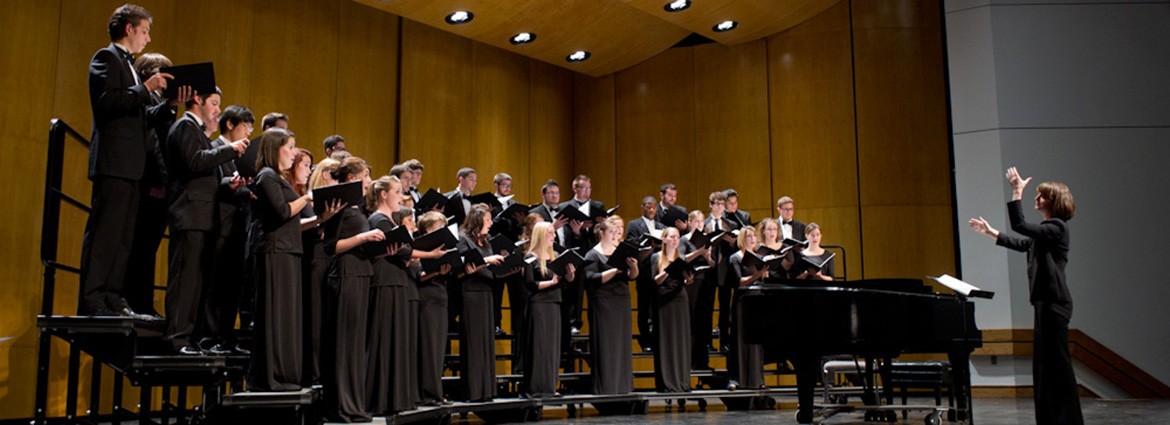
358, 296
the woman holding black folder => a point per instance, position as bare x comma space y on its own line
391, 381
314, 270
814, 254
745, 363
672, 361
608, 289
432, 319
276, 360
542, 321
772, 242
349, 289
477, 351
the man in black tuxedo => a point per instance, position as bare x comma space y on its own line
119, 151
579, 235
637, 230
195, 177
717, 282
550, 198
224, 289
736, 215
460, 206
668, 199
415, 168
789, 228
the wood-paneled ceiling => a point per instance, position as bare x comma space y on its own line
617, 33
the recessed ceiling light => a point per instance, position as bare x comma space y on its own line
725, 26
578, 56
459, 17
523, 38
677, 6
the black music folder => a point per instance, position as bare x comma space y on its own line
510, 263
570, 256
794, 242
610, 211
671, 215
701, 240
485, 198
513, 209
503, 243
349, 194
761, 262
473, 258
806, 263
451, 256
430, 201
200, 76
765, 251
398, 235
571, 213
446, 237
626, 250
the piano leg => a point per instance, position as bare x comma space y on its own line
961, 385
807, 374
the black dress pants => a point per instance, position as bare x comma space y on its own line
1055, 386
105, 248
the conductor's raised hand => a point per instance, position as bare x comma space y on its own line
1018, 183
981, 225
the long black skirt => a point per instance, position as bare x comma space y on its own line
749, 358
610, 341
345, 366
477, 346
392, 377
432, 348
313, 280
542, 346
276, 355
673, 358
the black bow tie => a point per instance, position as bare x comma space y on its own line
788, 222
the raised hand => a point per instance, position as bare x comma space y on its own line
1018, 184
981, 225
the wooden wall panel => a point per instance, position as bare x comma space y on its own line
499, 117
731, 125
436, 102
295, 65
814, 144
550, 154
367, 86
655, 104
29, 60
594, 136
903, 156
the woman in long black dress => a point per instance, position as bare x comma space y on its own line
349, 288
673, 358
276, 360
477, 351
432, 320
542, 321
392, 380
314, 273
608, 289
815, 253
745, 362
1047, 245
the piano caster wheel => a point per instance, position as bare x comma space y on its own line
702, 405
933, 419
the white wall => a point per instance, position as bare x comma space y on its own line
1079, 92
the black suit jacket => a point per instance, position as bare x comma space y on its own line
246, 163
193, 165
121, 117
586, 239
637, 229
1047, 246
544, 212
797, 230
743, 217
662, 212
232, 204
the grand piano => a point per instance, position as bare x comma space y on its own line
875, 319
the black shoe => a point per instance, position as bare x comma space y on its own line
239, 349
715, 333
711, 349
127, 312
97, 312
500, 332
732, 385
647, 349
189, 351
724, 348
220, 350
575, 330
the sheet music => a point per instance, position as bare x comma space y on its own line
961, 287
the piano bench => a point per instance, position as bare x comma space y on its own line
934, 376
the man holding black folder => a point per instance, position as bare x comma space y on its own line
193, 164
122, 116
460, 206
581, 237
636, 231
670, 214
